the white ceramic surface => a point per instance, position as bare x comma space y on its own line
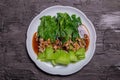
71, 68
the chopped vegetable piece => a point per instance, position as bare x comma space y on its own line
73, 58
81, 53
63, 58
42, 56
53, 63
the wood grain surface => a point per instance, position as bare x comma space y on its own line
15, 17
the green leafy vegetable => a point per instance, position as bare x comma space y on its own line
63, 58
41, 56
80, 53
62, 26
49, 53
73, 58
48, 28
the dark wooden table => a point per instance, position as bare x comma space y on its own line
15, 17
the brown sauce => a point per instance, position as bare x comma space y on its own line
87, 40
35, 44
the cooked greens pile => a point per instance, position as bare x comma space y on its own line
61, 56
64, 28
61, 26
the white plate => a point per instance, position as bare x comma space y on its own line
71, 68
